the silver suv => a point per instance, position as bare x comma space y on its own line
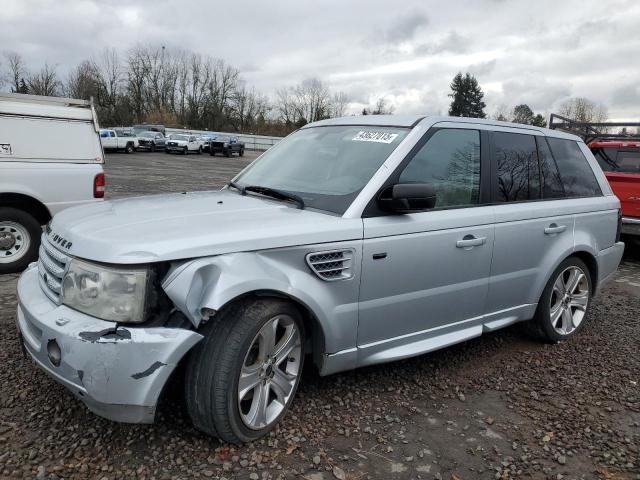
352, 242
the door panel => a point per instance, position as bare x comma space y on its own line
426, 280
529, 240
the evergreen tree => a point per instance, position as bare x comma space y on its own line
467, 97
523, 114
539, 121
22, 87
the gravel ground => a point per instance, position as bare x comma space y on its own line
501, 406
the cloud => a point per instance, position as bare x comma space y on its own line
538, 53
452, 43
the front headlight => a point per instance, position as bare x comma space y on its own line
107, 293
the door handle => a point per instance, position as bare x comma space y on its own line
470, 241
554, 228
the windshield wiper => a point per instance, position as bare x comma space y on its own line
272, 192
238, 187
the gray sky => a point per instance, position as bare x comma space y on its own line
537, 53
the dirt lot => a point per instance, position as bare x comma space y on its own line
501, 406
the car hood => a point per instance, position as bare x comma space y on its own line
188, 225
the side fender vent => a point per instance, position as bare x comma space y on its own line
332, 265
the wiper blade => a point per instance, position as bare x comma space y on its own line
275, 193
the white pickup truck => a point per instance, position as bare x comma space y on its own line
117, 140
50, 159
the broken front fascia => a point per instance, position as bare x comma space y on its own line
117, 371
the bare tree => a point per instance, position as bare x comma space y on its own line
44, 82
17, 70
382, 107
339, 103
582, 109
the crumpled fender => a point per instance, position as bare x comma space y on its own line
212, 282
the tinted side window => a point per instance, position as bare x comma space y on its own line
629, 161
517, 167
104, 134
450, 161
576, 174
550, 181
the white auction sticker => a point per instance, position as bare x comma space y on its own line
380, 137
5, 149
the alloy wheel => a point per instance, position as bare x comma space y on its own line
269, 372
569, 300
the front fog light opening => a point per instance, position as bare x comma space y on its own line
54, 353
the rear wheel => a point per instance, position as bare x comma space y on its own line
241, 152
564, 302
185, 151
19, 239
242, 377
200, 151
129, 148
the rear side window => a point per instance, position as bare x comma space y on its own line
550, 181
618, 160
450, 161
517, 167
576, 174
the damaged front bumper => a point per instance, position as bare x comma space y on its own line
117, 371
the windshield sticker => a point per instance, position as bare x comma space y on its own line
379, 137
5, 149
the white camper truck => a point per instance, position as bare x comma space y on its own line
50, 159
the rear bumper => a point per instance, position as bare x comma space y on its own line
117, 372
608, 261
631, 225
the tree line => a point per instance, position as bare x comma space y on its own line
180, 88
176, 88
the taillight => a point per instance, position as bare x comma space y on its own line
99, 186
619, 229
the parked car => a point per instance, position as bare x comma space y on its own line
226, 145
149, 127
151, 141
206, 139
61, 169
354, 241
620, 161
118, 140
183, 143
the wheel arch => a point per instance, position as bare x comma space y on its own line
26, 203
315, 335
589, 259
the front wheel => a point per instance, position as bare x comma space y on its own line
129, 148
242, 377
185, 151
19, 240
564, 302
200, 151
241, 153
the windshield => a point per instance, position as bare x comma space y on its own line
221, 139
177, 136
326, 166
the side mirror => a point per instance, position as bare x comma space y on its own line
408, 198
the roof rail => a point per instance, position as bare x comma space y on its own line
22, 97
590, 131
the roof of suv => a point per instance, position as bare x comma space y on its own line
411, 121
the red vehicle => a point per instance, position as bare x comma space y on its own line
620, 161
619, 157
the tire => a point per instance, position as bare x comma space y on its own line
233, 339
152, 148
185, 151
129, 148
559, 316
241, 152
167, 151
19, 239
200, 151
226, 153
212, 153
